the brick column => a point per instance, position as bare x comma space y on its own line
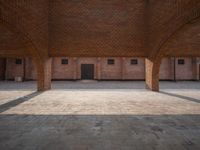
173, 67
75, 68
24, 69
44, 74
195, 68
198, 68
152, 74
27, 70
98, 68
198, 73
78, 70
123, 67
6, 70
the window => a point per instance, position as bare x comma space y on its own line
111, 61
134, 61
64, 61
181, 61
18, 61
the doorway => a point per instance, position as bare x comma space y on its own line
199, 71
2, 68
87, 71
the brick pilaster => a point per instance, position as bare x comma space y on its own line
123, 59
195, 68
173, 68
44, 74
75, 68
152, 75
98, 68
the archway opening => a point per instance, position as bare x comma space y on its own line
108, 72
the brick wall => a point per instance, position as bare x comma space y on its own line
134, 72
121, 70
31, 71
14, 70
167, 69
184, 72
63, 71
114, 71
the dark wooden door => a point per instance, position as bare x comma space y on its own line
2, 68
87, 71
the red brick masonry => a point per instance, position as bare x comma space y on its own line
122, 69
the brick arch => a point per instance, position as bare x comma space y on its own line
42, 64
176, 24
188, 37
154, 61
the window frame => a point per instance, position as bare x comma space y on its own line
18, 61
64, 61
134, 61
110, 61
181, 61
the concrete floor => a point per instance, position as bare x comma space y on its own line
100, 116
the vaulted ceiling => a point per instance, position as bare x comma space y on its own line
149, 28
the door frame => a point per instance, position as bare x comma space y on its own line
199, 71
93, 71
3, 69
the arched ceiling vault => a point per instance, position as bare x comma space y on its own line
186, 12
186, 42
112, 27
15, 43
29, 20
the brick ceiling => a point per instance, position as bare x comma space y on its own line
42, 28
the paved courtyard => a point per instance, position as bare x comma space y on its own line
100, 116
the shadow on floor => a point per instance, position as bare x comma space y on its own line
100, 132
18, 101
123, 85
181, 96
18, 86
101, 85
98, 85
180, 85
